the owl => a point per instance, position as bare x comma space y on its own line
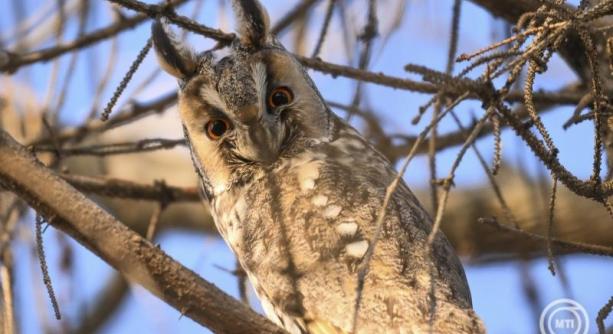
295, 192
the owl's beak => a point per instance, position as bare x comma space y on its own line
260, 137
263, 142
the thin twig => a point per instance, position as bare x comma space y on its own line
497, 144
569, 245
448, 182
603, 313
43, 266
154, 221
453, 48
117, 188
293, 15
106, 77
126, 79
143, 145
324, 28
489, 173
509, 40
552, 204
6, 282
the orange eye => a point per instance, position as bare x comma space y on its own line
280, 96
216, 128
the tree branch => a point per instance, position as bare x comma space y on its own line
131, 190
136, 258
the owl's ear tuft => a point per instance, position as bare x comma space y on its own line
253, 22
176, 58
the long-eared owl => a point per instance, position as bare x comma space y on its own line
295, 192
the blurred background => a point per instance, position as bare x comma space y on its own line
55, 106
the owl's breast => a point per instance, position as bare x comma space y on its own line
304, 228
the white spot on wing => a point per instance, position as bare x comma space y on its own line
332, 211
219, 188
307, 174
320, 200
347, 228
307, 184
357, 249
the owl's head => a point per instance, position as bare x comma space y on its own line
243, 106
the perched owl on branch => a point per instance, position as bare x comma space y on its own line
295, 192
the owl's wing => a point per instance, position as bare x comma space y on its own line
320, 326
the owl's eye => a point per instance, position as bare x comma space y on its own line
279, 96
216, 128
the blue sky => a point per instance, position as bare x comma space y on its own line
497, 288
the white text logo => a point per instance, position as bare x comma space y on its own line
564, 316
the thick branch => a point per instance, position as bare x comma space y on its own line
136, 258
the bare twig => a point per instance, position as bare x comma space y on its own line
6, 282
141, 146
572, 245
293, 15
603, 313
131, 190
448, 182
159, 209
552, 205
453, 48
106, 77
43, 267
324, 28
126, 79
